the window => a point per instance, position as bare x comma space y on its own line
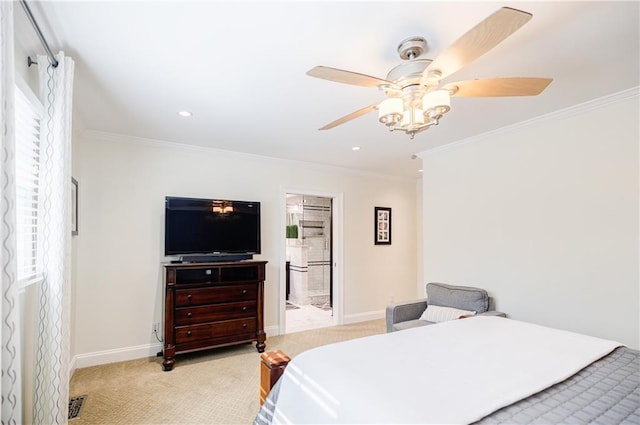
27, 131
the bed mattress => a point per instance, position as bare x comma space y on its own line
605, 392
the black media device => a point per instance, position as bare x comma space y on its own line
201, 230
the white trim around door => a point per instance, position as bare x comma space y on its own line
337, 247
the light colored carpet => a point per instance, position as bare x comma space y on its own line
220, 386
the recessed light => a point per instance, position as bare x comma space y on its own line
420, 170
184, 113
355, 148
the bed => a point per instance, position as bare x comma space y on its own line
485, 370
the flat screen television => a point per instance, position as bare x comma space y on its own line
211, 227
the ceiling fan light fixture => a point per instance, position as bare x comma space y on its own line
390, 111
416, 114
436, 102
415, 98
416, 122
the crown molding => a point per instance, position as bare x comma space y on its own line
94, 135
577, 109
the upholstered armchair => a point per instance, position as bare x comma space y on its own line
447, 301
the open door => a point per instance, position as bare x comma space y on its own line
309, 290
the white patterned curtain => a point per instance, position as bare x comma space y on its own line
9, 328
51, 389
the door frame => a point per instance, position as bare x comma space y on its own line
336, 247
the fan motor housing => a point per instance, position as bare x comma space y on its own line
408, 73
412, 47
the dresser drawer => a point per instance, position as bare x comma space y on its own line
212, 313
186, 334
211, 305
215, 294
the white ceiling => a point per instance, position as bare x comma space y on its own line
239, 67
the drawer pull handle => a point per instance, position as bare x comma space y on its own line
188, 333
189, 315
189, 296
244, 291
244, 325
244, 308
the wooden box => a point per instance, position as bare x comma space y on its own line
272, 367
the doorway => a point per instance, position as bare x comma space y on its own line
309, 268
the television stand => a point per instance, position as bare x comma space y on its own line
210, 305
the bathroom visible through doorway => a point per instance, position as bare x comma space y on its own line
309, 258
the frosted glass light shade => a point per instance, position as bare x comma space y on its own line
418, 117
390, 110
437, 101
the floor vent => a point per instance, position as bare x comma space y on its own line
75, 406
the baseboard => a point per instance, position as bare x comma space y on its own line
150, 350
128, 353
112, 356
363, 317
272, 330
348, 319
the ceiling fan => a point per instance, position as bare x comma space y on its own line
416, 100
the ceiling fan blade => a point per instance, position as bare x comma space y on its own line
496, 87
478, 41
349, 117
346, 77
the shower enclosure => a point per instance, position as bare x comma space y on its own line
309, 251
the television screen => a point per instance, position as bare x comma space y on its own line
211, 226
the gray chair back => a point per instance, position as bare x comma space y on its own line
461, 297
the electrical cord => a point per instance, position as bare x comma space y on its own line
157, 337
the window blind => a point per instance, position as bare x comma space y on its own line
27, 133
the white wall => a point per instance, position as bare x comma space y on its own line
545, 217
119, 249
26, 43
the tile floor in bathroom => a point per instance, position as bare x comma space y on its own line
307, 317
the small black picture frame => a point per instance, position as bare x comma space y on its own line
74, 207
382, 225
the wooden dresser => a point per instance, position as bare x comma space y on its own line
210, 305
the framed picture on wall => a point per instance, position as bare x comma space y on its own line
74, 207
382, 225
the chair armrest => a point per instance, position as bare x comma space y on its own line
402, 312
493, 313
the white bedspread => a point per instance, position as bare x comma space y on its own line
451, 373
